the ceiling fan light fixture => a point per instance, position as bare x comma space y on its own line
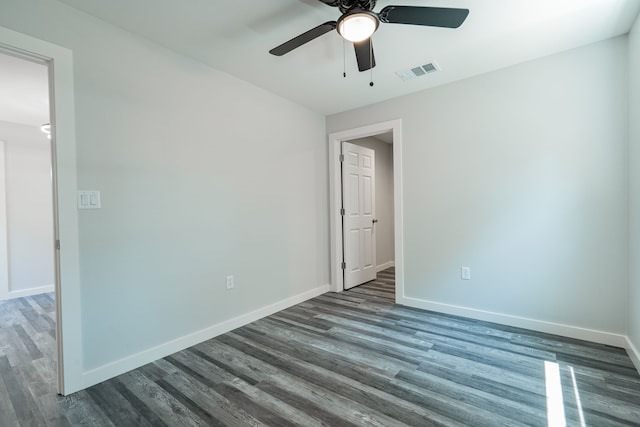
358, 25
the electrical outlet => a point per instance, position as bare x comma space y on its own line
465, 273
230, 283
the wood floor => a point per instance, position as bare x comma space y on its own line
349, 359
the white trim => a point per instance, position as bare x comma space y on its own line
31, 291
633, 353
113, 369
335, 194
4, 247
67, 265
384, 266
569, 331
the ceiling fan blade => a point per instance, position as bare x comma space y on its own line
303, 38
364, 55
429, 16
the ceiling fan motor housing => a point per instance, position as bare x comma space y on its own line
347, 5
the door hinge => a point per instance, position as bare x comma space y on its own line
343, 266
57, 245
341, 157
342, 212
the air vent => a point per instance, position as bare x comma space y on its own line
422, 70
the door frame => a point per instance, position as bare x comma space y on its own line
59, 61
335, 199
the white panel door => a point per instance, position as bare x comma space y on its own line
358, 221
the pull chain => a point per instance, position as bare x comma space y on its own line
371, 61
344, 59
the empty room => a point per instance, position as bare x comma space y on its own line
321, 212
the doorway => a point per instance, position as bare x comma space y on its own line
27, 222
69, 376
26, 187
392, 132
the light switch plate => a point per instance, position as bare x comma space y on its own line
89, 199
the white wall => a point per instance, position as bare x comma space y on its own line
29, 209
520, 174
201, 175
634, 160
384, 199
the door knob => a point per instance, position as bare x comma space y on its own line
374, 220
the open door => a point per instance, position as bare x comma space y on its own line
358, 219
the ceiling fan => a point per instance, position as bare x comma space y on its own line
358, 23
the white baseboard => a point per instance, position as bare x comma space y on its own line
633, 353
28, 292
113, 369
384, 266
576, 332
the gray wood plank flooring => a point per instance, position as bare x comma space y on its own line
348, 359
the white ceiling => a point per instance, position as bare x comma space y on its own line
24, 91
235, 36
